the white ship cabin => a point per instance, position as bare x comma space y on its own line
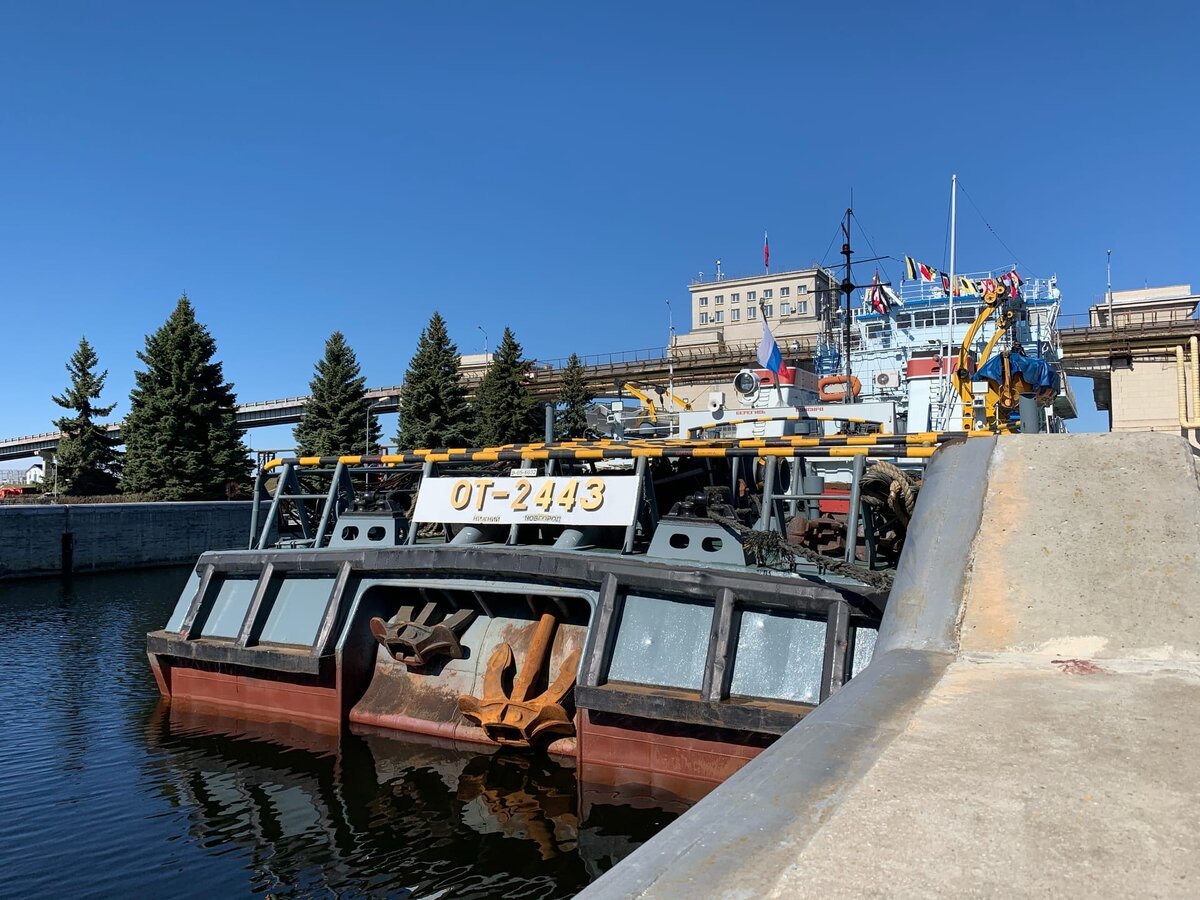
907, 354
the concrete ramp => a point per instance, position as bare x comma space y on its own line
1029, 724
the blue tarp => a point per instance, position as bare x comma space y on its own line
1038, 373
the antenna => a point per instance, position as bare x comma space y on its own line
847, 289
718, 270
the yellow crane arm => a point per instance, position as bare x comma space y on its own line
651, 409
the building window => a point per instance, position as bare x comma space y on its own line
751, 295
719, 315
751, 312
785, 291
785, 309
734, 298
802, 307
703, 318
704, 301
768, 310
767, 294
803, 289
735, 315
719, 300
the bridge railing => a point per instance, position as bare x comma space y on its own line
1131, 320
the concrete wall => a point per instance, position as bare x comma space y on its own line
117, 535
1145, 397
1024, 727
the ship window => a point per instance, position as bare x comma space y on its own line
376, 533
965, 314
785, 292
751, 295
349, 533
751, 312
874, 330
941, 317
904, 321
703, 318
923, 318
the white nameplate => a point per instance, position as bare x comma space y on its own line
554, 500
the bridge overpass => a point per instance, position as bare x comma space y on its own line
603, 372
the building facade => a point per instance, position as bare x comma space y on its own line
728, 311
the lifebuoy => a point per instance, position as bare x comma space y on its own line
822, 384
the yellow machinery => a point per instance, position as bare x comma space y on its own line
651, 408
1003, 400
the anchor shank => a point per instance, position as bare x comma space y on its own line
535, 657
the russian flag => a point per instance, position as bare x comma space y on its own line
769, 355
766, 252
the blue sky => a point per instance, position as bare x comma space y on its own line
562, 169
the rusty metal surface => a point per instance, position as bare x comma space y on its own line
515, 715
415, 641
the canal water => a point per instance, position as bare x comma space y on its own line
106, 791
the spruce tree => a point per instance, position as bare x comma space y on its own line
86, 457
336, 416
573, 400
507, 410
181, 436
434, 411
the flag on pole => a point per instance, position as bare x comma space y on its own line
876, 298
769, 354
945, 284
967, 286
766, 252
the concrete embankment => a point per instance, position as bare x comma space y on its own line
1027, 724
47, 540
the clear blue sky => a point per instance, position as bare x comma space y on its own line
299, 168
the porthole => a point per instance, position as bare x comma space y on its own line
680, 541
376, 533
349, 533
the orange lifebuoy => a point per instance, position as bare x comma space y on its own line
822, 384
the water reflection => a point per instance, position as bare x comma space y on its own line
106, 791
415, 816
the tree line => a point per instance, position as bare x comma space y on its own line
182, 440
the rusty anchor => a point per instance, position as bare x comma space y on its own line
415, 642
517, 719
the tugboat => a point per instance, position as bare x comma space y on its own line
658, 610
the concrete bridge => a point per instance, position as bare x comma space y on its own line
603, 372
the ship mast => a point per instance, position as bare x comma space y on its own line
847, 287
950, 334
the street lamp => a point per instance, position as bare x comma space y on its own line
367, 433
485, 345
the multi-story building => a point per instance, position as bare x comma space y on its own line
728, 311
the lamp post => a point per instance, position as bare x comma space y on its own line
367, 431
485, 345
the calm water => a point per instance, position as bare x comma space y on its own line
106, 791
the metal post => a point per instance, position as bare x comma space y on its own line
426, 472
639, 473
273, 513
856, 474
837, 646
256, 499
549, 424
335, 485
768, 495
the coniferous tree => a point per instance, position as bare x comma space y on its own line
86, 458
434, 410
181, 436
573, 400
507, 410
336, 419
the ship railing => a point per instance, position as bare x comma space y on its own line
1033, 290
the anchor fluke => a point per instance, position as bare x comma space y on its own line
516, 719
414, 642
